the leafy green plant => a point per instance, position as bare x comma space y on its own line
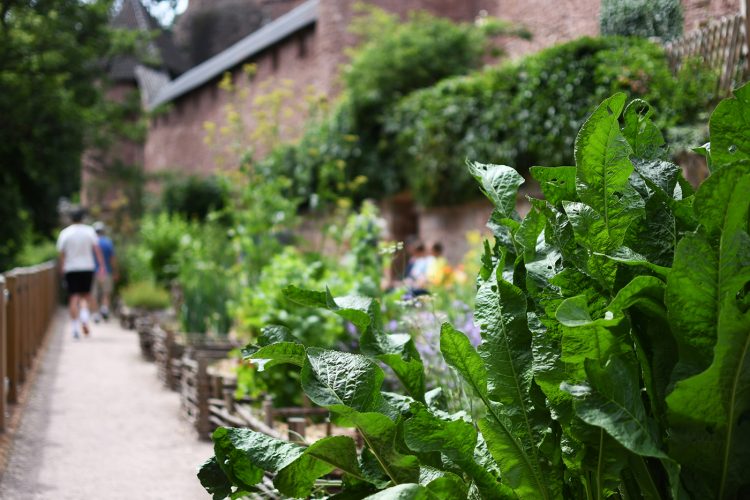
145, 295
160, 234
193, 197
38, 252
357, 269
614, 360
395, 58
205, 262
644, 18
528, 112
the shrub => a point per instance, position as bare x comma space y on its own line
358, 270
134, 261
161, 234
205, 262
643, 18
38, 252
602, 372
338, 153
527, 113
192, 197
145, 295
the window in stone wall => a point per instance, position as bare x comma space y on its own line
275, 58
302, 45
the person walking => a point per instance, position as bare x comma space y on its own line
78, 246
104, 282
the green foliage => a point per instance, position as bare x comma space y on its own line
38, 252
161, 235
603, 371
357, 270
527, 113
145, 295
205, 263
338, 153
48, 51
643, 18
192, 197
134, 263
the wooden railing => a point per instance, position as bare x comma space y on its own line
722, 45
28, 298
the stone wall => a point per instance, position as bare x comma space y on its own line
311, 59
96, 190
178, 140
699, 12
550, 23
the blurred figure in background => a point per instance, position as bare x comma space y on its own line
104, 282
421, 260
439, 272
79, 251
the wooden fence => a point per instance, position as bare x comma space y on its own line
28, 298
722, 45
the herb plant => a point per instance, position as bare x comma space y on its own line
614, 361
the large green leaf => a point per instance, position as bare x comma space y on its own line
603, 168
585, 338
558, 184
514, 456
320, 458
709, 411
244, 454
500, 184
214, 480
528, 234
501, 316
396, 350
704, 274
728, 127
506, 352
613, 402
456, 439
461, 355
656, 349
380, 434
719, 193
340, 381
309, 298
644, 137
281, 352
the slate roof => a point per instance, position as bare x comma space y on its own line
273, 32
133, 16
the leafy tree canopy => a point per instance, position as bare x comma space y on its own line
48, 51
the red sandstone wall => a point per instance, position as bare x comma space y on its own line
550, 22
94, 162
177, 140
698, 12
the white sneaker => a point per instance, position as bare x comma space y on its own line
76, 335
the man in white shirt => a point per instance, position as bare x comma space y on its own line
77, 245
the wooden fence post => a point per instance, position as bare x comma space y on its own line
3, 354
13, 335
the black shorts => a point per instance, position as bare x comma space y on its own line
79, 282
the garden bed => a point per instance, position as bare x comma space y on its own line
195, 383
168, 350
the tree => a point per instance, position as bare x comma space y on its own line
49, 65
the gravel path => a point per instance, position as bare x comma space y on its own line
99, 425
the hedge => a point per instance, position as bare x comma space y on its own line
528, 113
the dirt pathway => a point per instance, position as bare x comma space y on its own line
99, 425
